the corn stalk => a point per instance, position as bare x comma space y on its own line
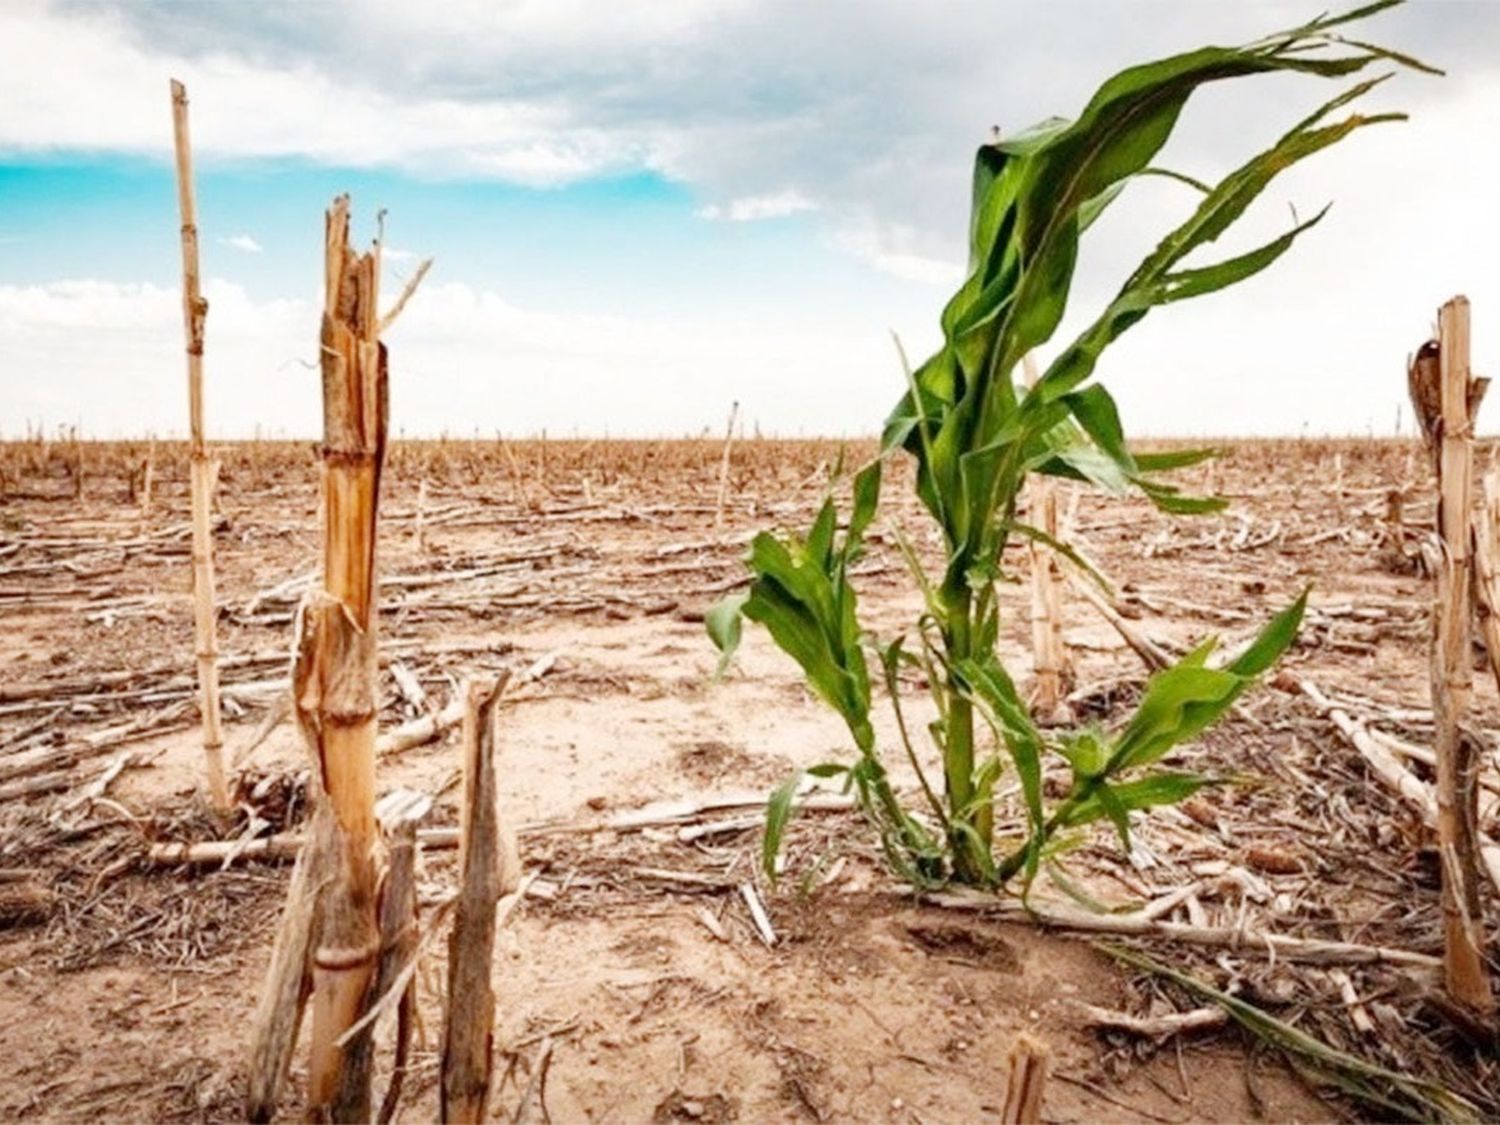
1452, 670
976, 434
202, 470
336, 687
334, 928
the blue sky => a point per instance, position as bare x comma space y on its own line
633, 248
631, 243
642, 213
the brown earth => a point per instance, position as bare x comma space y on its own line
633, 968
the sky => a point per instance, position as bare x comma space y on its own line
643, 212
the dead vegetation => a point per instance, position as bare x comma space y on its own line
582, 569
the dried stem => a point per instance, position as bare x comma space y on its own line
734, 411
1026, 1085
1049, 651
469, 1035
398, 941
334, 678
411, 287
1452, 672
278, 1017
194, 312
1487, 568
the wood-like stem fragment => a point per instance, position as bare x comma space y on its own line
469, 1035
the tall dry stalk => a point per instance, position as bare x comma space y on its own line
75, 462
723, 497
1049, 651
1487, 567
421, 522
1452, 669
194, 312
148, 477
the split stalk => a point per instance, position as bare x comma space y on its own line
335, 685
469, 1038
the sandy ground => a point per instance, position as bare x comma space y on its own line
626, 994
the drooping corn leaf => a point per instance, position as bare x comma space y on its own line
1155, 282
723, 623
1185, 699
781, 806
892, 657
1173, 459
1117, 801
1399, 1096
1095, 409
1037, 535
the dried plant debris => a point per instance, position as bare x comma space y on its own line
1299, 839
1369, 1083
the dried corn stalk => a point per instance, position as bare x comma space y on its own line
1440, 374
334, 682
333, 931
486, 872
1053, 671
1026, 1085
202, 468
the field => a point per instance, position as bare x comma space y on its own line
632, 979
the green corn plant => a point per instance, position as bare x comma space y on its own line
976, 434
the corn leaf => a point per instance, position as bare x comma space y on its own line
1037, 535
1087, 753
991, 687
1117, 801
1154, 282
1109, 804
1179, 703
1272, 641
1185, 699
1173, 459
724, 623
1095, 409
778, 816
866, 499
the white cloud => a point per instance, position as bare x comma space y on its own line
112, 356
242, 242
756, 104
754, 208
242, 107
892, 248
